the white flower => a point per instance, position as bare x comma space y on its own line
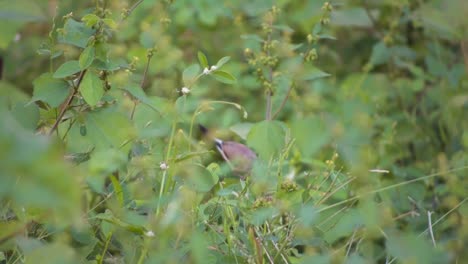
149, 233
213, 68
163, 166
185, 90
206, 71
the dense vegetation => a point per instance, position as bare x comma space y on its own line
357, 111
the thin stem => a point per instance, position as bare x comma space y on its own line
104, 250
145, 73
137, 3
67, 103
268, 105
283, 103
168, 154
430, 227
135, 102
390, 187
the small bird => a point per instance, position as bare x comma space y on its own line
239, 157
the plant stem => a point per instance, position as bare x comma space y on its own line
268, 105
163, 182
283, 102
67, 103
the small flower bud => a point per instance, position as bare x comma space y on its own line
185, 90
163, 166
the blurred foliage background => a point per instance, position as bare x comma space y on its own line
357, 111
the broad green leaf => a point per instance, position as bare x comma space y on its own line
224, 77
26, 114
103, 163
267, 138
50, 90
22, 11
75, 33
409, 248
190, 73
107, 127
310, 134
199, 178
242, 129
91, 88
87, 57
203, 60
67, 69
55, 253
380, 54
314, 73
222, 61
352, 17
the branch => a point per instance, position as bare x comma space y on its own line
67, 103
283, 102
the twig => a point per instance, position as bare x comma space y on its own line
67, 103
430, 227
283, 103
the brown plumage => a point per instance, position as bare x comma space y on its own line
239, 157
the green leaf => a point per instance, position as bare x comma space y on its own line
137, 93
380, 54
267, 138
409, 248
90, 20
311, 134
67, 69
224, 77
190, 74
253, 37
50, 90
110, 23
75, 33
314, 74
54, 253
352, 17
103, 163
203, 60
91, 88
26, 114
109, 128
87, 57
199, 178
222, 61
